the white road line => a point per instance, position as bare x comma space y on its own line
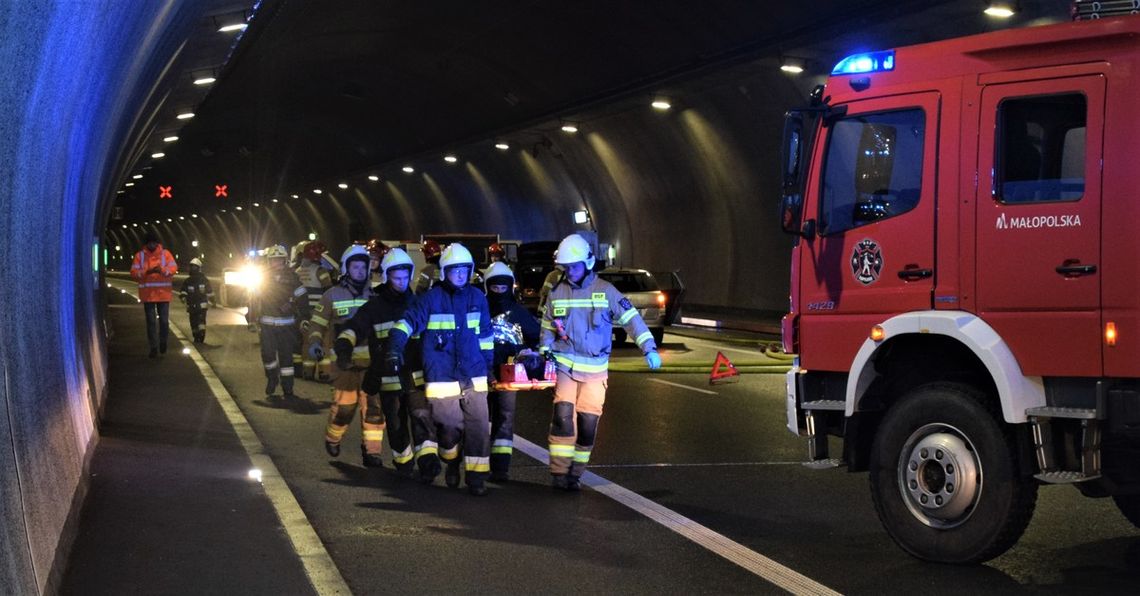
735, 552
319, 566
671, 383
701, 465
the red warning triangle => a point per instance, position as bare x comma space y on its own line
722, 369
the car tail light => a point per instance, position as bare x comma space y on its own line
660, 300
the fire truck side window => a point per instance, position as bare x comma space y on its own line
1041, 148
873, 169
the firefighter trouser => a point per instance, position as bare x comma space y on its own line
347, 397
157, 323
464, 418
198, 323
409, 424
277, 345
501, 406
574, 425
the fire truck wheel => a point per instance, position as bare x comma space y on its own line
944, 476
1129, 505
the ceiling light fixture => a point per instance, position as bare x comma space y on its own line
502, 146
374, 178
205, 81
295, 196
257, 204
661, 104
169, 139
185, 116
137, 176
569, 127
238, 208
792, 65
450, 158
408, 169
232, 27
158, 155
317, 191
194, 215
1000, 10
342, 186
129, 184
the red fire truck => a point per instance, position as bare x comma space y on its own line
965, 290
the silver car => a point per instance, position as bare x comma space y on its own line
646, 296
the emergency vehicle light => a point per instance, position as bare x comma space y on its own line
1110, 334
877, 333
865, 63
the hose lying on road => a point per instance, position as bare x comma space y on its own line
773, 368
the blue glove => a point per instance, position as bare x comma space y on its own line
653, 359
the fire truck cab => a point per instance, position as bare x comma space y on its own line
965, 289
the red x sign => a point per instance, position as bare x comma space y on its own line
164, 192
220, 191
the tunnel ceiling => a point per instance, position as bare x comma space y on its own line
317, 92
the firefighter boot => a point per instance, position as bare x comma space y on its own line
429, 468
558, 481
333, 449
405, 470
451, 474
573, 483
371, 460
270, 386
477, 487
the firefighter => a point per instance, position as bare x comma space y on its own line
515, 334
153, 268
430, 275
336, 307
316, 279
197, 294
548, 282
376, 249
399, 395
457, 355
275, 309
576, 331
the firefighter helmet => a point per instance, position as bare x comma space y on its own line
376, 248
196, 261
498, 273
396, 258
354, 251
313, 250
496, 250
574, 249
276, 251
455, 255
431, 249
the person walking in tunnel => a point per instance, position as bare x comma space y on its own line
399, 395
274, 309
197, 294
577, 327
154, 268
430, 275
339, 304
515, 334
316, 279
376, 251
457, 354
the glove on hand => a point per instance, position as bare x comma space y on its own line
653, 359
392, 364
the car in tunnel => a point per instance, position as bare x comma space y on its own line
645, 293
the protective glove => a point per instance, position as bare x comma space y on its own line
316, 352
392, 364
653, 359
344, 361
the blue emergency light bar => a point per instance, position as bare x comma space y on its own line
866, 63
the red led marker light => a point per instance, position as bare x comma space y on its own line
220, 191
165, 192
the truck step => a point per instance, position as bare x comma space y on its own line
823, 464
1059, 412
1064, 477
825, 404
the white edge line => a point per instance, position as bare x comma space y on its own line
690, 388
319, 567
719, 544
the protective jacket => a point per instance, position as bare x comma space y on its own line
335, 308
196, 292
577, 325
457, 341
316, 280
154, 287
279, 301
375, 321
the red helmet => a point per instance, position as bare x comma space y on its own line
376, 248
431, 249
314, 250
496, 250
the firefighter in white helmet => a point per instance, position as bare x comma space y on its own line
274, 307
197, 294
457, 354
400, 395
338, 304
576, 331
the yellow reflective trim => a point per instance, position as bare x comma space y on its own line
507, 450
319, 320
585, 367
335, 432
598, 296
382, 334
561, 450
442, 389
477, 467
348, 334
441, 325
581, 457
404, 456
548, 325
403, 326
627, 316
486, 345
373, 435
644, 337
479, 384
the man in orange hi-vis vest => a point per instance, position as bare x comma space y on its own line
154, 267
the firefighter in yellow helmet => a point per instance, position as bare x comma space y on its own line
338, 304
576, 330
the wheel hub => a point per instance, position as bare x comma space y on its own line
939, 476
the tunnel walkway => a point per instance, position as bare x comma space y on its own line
170, 507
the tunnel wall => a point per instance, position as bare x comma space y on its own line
77, 77
693, 189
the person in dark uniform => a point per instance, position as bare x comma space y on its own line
197, 294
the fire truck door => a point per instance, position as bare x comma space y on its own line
1038, 221
872, 253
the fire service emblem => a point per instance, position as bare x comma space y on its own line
866, 261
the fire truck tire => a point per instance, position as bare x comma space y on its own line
945, 479
1129, 505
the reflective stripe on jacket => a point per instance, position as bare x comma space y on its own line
196, 292
577, 325
339, 304
376, 319
154, 287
